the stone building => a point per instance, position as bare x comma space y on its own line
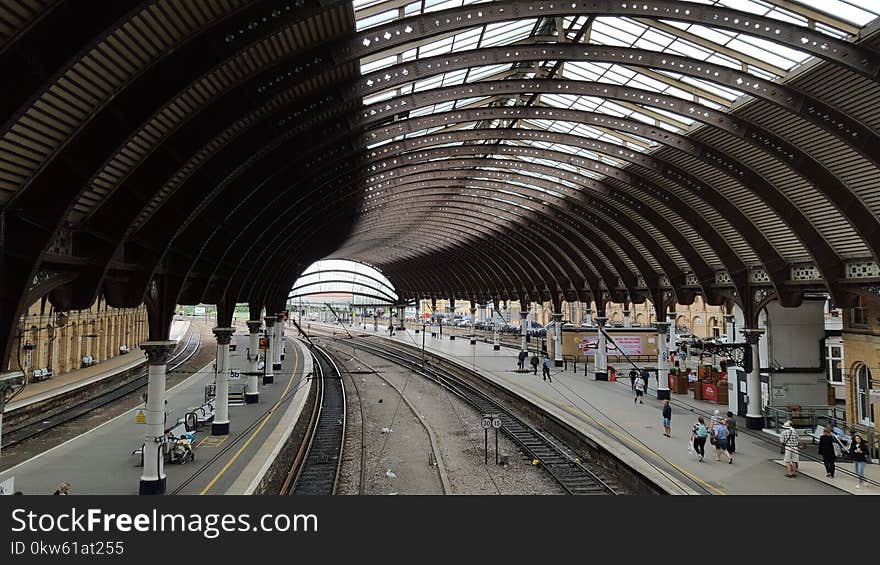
861, 368
60, 340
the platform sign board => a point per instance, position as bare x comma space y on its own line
199, 310
140, 417
630, 345
264, 343
487, 422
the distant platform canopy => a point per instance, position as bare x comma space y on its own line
336, 278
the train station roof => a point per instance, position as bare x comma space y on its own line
210, 151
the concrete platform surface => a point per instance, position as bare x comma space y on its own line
100, 461
607, 408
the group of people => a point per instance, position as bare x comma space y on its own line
721, 432
831, 448
535, 361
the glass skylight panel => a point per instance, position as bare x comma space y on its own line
480, 73
379, 97
505, 33
858, 12
623, 28
605, 39
583, 71
378, 64
376, 19
681, 47
438, 47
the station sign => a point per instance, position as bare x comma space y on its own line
140, 417
264, 343
630, 345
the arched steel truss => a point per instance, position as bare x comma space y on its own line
230, 154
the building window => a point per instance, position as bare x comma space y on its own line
863, 394
858, 315
835, 364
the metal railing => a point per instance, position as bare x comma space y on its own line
806, 418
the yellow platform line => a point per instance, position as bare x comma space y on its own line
257, 431
632, 442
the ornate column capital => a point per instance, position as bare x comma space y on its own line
729, 318
671, 314
254, 326
158, 352
223, 335
270, 321
627, 312
601, 321
752, 335
662, 327
557, 317
523, 314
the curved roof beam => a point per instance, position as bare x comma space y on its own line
826, 258
857, 58
551, 209
836, 122
619, 205
798, 162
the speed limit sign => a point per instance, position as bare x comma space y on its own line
487, 422
496, 422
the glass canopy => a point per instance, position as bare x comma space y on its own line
339, 278
840, 19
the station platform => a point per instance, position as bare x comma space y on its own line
71, 380
100, 461
605, 409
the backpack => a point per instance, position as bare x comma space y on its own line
702, 431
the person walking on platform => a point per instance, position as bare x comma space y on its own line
789, 439
667, 418
633, 375
640, 390
860, 453
731, 432
827, 451
645, 376
521, 360
547, 369
719, 435
699, 435
535, 361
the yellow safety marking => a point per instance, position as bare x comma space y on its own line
260, 427
634, 443
212, 441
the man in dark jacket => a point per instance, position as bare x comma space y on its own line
521, 360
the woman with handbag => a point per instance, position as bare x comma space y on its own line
829, 449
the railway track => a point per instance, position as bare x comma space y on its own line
571, 474
315, 470
28, 431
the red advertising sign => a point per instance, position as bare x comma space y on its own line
710, 392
